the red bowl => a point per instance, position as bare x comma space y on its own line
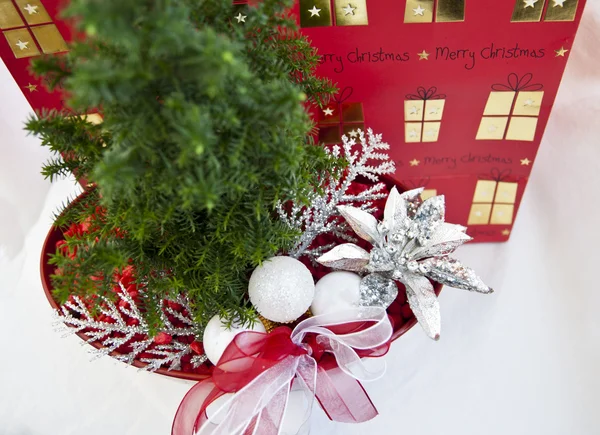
401, 324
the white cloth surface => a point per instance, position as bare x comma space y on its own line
523, 361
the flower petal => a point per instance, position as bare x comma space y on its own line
451, 272
395, 210
347, 256
424, 304
428, 218
443, 241
364, 224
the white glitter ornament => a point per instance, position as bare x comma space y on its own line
217, 337
281, 289
336, 291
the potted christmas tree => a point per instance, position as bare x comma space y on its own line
209, 209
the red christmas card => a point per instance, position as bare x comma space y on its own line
460, 89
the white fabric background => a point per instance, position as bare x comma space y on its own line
523, 361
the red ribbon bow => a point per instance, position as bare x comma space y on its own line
322, 353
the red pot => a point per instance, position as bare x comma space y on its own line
400, 314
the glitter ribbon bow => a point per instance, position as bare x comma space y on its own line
260, 369
411, 245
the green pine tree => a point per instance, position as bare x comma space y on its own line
204, 131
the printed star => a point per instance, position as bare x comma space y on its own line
414, 110
434, 111
419, 10
525, 162
414, 162
22, 45
529, 3
31, 9
430, 133
31, 87
314, 11
561, 52
506, 233
559, 3
529, 102
241, 18
423, 56
412, 133
348, 10
353, 133
328, 112
493, 128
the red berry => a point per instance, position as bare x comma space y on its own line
197, 347
163, 338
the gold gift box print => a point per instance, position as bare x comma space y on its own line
28, 28
527, 11
442, 11
325, 13
423, 113
512, 110
341, 118
493, 203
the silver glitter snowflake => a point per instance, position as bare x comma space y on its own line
114, 332
410, 245
365, 158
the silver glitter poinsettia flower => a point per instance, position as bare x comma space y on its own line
410, 245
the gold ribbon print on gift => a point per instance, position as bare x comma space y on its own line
28, 28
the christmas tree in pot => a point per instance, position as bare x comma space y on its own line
205, 189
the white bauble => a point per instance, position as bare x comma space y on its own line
336, 291
281, 289
217, 337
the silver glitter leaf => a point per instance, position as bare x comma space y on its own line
377, 291
428, 218
451, 272
363, 223
347, 256
116, 332
424, 304
367, 158
444, 241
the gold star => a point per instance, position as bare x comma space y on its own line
414, 162
32, 88
314, 11
525, 162
414, 110
348, 10
561, 52
506, 233
353, 133
31, 9
240, 18
22, 45
419, 11
423, 56
328, 112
